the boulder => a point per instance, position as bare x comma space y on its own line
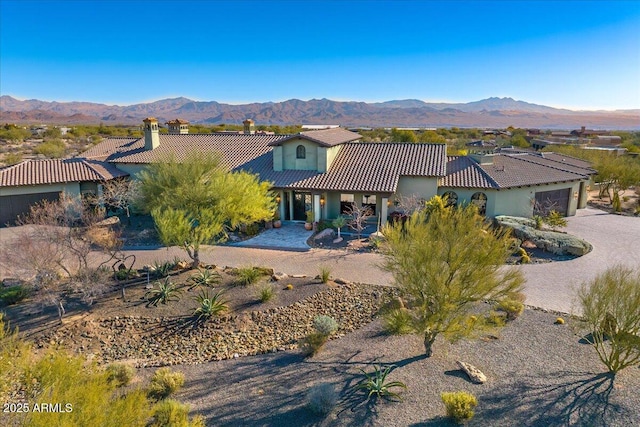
341, 281
278, 275
327, 232
338, 239
474, 374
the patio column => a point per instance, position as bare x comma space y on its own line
384, 207
281, 206
316, 207
290, 207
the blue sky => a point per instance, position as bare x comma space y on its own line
579, 55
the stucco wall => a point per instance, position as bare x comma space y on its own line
131, 168
289, 160
424, 187
70, 188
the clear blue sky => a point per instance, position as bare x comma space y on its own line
574, 54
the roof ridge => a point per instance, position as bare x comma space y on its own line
85, 162
484, 173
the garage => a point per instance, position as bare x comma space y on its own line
555, 200
13, 206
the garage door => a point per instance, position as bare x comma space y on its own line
13, 206
556, 200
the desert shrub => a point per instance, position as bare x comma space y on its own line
495, 319
322, 398
161, 269
120, 374
313, 343
205, 277
53, 149
512, 307
175, 414
210, 305
398, 322
376, 384
325, 274
524, 256
125, 274
252, 229
375, 242
166, 292
555, 220
459, 405
14, 294
247, 276
164, 383
325, 325
266, 293
323, 225
538, 222
609, 306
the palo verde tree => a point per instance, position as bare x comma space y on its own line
197, 201
446, 260
610, 305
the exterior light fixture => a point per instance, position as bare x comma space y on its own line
321, 201
278, 198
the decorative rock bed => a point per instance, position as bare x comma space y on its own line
169, 341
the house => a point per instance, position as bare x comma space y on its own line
31, 181
324, 171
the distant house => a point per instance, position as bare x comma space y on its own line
324, 171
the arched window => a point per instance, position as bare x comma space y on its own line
480, 200
450, 198
301, 152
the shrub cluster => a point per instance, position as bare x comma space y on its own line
459, 405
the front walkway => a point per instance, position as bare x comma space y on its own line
291, 236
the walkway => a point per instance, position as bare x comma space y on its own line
551, 285
291, 236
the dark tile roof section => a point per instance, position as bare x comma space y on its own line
517, 171
236, 149
464, 172
568, 160
542, 159
369, 167
111, 147
324, 137
37, 172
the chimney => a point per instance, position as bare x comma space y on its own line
151, 133
249, 127
178, 127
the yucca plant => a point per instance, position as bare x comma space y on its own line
205, 277
377, 385
210, 305
166, 291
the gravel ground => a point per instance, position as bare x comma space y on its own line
539, 374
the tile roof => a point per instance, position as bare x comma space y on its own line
462, 171
324, 137
109, 147
369, 167
568, 160
53, 171
517, 171
558, 163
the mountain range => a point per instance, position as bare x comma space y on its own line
486, 113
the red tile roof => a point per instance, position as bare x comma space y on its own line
35, 172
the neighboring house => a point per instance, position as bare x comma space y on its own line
326, 170
27, 183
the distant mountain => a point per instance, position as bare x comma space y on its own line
491, 112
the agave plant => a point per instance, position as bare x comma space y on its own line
166, 291
205, 277
377, 385
210, 305
161, 269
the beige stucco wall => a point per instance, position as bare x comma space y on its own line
131, 168
71, 188
277, 158
423, 187
516, 201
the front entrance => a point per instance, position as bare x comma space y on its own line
302, 202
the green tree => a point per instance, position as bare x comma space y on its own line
432, 137
610, 306
401, 135
197, 201
445, 261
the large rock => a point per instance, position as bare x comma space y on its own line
474, 374
278, 275
551, 241
327, 232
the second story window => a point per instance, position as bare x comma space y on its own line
301, 152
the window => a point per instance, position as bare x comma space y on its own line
450, 198
301, 152
346, 200
480, 200
369, 200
